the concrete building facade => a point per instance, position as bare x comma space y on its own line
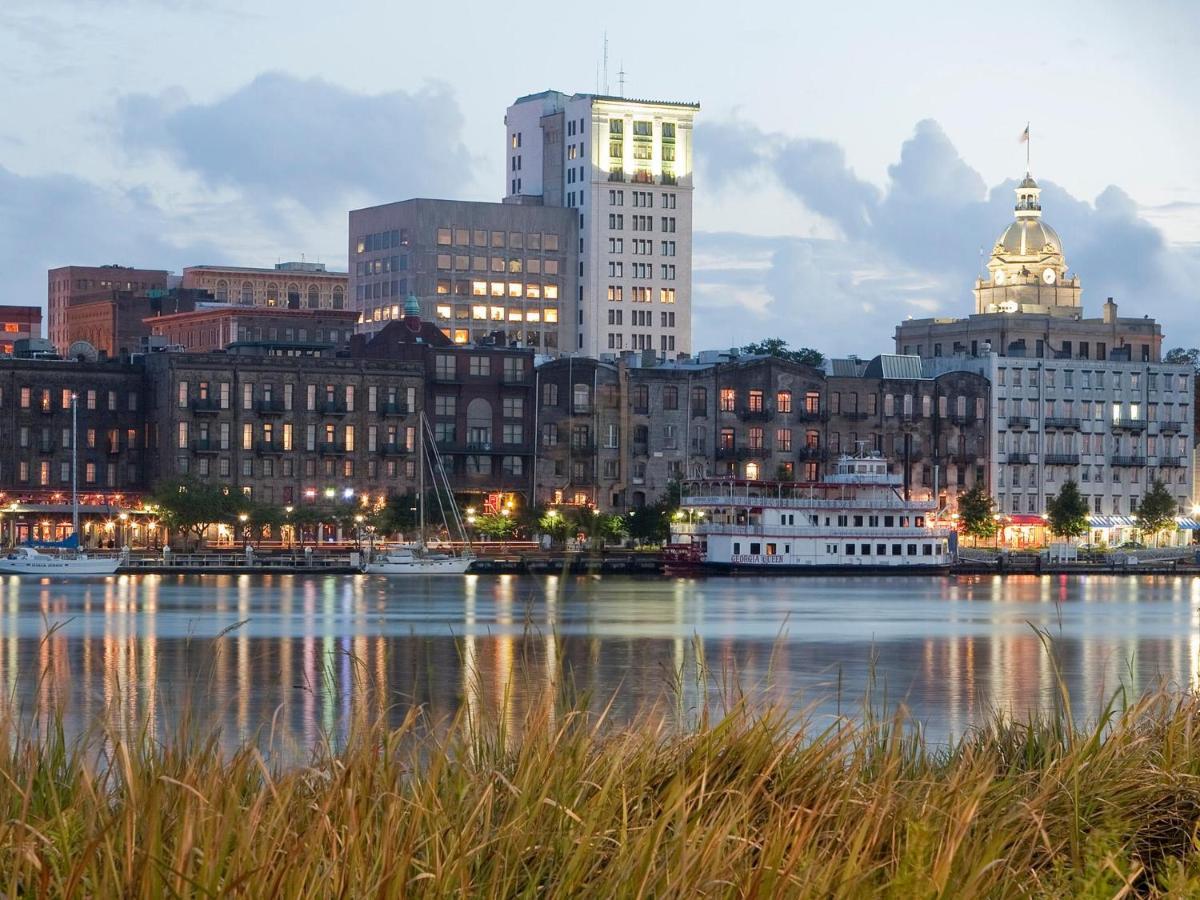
625, 168
288, 285
475, 268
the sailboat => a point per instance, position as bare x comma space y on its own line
28, 560
418, 559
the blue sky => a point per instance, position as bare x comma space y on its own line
853, 157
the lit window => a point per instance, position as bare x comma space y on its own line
514, 289
479, 288
479, 312
497, 288
497, 313
550, 291
550, 315
443, 311
533, 316
533, 291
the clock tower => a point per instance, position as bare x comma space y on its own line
1027, 272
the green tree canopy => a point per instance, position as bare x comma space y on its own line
977, 512
1180, 356
1156, 510
779, 348
555, 524
190, 506
1068, 512
496, 527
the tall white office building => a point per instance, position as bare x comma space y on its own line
626, 167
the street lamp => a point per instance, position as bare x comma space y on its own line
244, 518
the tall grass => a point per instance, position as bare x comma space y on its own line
753, 802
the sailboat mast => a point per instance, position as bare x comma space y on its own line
421, 478
75, 464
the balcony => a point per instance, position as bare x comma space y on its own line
749, 414
755, 452
641, 410
669, 178
393, 448
269, 407
446, 376
727, 453
641, 177
583, 448
332, 448
331, 408
269, 448
854, 415
204, 405
47, 448
393, 408
1019, 458
514, 379
1171, 462
1061, 422
205, 445
961, 419
816, 415
812, 454
1062, 459
1171, 426
1128, 461
616, 175
479, 446
1130, 424
1019, 421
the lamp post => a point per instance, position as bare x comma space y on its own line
287, 514
243, 518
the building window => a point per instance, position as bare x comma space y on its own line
728, 399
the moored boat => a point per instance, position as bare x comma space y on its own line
861, 518
28, 561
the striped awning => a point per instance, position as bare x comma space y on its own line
1112, 522
1188, 524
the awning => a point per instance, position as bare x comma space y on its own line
1019, 519
1112, 522
1188, 524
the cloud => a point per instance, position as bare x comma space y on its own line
49, 221
307, 140
913, 246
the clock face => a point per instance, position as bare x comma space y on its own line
1048, 276
999, 277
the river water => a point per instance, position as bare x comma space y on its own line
295, 657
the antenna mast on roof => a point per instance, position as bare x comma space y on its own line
621, 80
606, 62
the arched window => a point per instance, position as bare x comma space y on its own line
293, 296
339, 298
272, 294
247, 294
222, 293
313, 297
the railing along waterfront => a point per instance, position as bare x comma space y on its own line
891, 502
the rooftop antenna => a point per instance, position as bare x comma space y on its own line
621, 80
606, 62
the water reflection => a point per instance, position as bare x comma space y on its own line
299, 657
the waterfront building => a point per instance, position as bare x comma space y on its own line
617, 434
478, 400
290, 285
213, 327
284, 428
71, 285
1073, 398
19, 323
475, 268
624, 168
35, 445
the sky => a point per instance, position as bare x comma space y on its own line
852, 159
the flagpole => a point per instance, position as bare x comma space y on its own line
1028, 141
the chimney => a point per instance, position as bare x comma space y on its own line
1110, 312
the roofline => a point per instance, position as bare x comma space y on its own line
607, 98
280, 272
260, 311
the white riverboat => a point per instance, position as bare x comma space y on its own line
860, 518
28, 561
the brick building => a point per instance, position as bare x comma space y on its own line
217, 326
479, 401
70, 285
119, 323
18, 323
617, 434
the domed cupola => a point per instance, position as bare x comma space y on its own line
1027, 271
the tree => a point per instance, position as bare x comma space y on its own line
555, 524
1180, 357
977, 513
1156, 510
779, 348
190, 506
496, 527
1068, 512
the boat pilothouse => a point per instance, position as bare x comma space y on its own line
858, 518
